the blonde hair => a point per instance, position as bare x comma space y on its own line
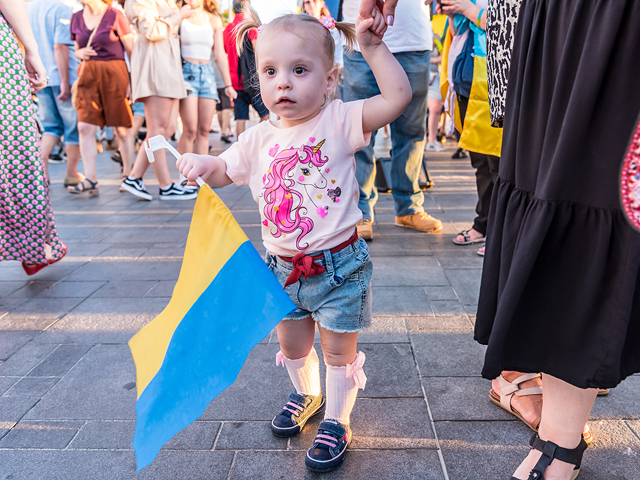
301, 24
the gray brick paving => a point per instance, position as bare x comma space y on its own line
67, 379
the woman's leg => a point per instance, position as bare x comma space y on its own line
158, 113
206, 110
124, 137
88, 149
189, 116
564, 413
435, 107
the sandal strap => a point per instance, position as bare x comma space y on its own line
81, 188
509, 389
550, 451
465, 235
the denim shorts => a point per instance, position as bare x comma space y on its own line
434, 88
241, 105
58, 118
338, 299
137, 108
200, 80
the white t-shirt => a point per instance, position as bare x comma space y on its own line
411, 30
303, 178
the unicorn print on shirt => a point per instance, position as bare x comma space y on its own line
295, 177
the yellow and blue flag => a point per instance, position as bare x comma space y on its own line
225, 301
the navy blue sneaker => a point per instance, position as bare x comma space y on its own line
300, 408
329, 447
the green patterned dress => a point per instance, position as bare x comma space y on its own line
26, 217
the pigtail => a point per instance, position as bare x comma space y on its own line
251, 20
348, 32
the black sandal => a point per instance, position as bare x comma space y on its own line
550, 451
92, 189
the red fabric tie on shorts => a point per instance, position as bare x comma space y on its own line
304, 265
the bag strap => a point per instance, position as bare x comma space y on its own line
95, 29
93, 33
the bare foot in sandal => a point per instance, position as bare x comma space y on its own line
524, 396
468, 237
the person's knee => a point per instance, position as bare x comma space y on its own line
337, 358
203, 130
86, 129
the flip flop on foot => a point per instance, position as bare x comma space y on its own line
467, 239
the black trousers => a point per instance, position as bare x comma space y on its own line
486, 173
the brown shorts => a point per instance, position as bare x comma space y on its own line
102, 94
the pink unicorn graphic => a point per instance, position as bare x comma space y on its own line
284, 205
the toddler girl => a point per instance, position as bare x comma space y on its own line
301, 170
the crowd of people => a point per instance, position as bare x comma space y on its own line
559, 304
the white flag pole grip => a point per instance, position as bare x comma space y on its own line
158, 143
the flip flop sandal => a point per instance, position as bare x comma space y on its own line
467, 239
603, 392
509, 389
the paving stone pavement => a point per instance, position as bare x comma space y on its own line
67, 379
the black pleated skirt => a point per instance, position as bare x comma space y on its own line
560, 290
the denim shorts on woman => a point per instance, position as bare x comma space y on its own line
338, 299
200, 80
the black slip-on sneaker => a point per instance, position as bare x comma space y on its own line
300, 408
176, 192
136, 187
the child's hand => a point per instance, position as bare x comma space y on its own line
370, 31
193, 166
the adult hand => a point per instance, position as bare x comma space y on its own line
36, 73
231, 93
451, 7
65, 92
85, 53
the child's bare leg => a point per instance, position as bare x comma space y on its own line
338, 349
299, 356
296, 337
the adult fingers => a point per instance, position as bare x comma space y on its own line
389, 11
367, 6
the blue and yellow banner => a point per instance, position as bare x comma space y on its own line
225, 301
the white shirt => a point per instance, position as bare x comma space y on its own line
303, 178
411, 30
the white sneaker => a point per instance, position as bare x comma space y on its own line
434, 147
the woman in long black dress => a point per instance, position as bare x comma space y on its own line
560, 290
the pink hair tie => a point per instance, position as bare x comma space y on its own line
354, 370
328, 22
259, 29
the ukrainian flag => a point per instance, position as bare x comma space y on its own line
225, 301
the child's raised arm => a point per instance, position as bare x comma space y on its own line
395, 90
212, 170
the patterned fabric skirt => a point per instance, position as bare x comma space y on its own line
560, 290
502, 18
26, 217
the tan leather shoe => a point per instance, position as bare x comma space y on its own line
420, 221
365, 230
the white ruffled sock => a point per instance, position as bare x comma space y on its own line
304, 372
342, 389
